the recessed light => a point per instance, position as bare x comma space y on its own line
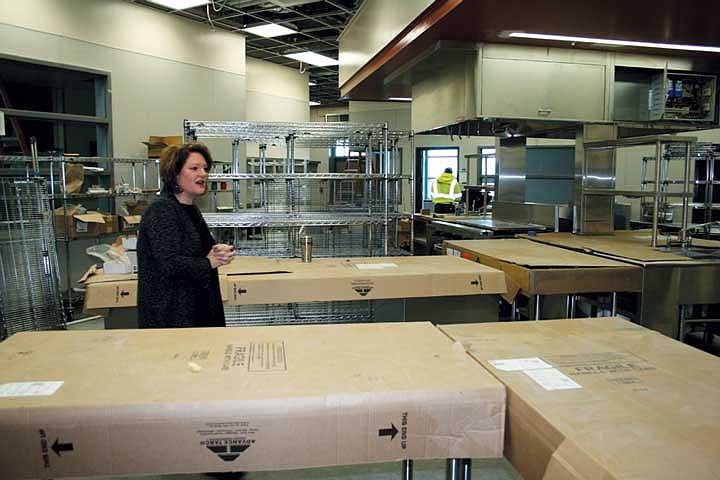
400, 99
180, 4
269, 30
606, 41
312, 58
314, 103
311, 84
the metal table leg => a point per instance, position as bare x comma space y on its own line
568, 308
572, 306
407, 469
537, 307
614, 304
459, 469
513, 309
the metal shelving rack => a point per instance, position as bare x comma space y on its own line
706, 201
30, 297
683, 145
53, 168
292, 202
289, 201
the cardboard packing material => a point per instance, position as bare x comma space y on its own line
248, 281
79, 225
538, 269
131, 402
612, 401
156, 143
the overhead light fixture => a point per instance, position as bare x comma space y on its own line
270, 30
312, 58
400, 99
313, 103
618, 43
311, 84
180, 4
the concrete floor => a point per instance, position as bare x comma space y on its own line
422, 470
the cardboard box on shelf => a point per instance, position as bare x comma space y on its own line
71, 224
247, 281
129, 223
601, 398
109, 291
240, 399
156, 143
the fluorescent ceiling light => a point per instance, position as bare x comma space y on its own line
604, 41
311, 84
314, 103
312, 58
180, 4
269, 30
400, 99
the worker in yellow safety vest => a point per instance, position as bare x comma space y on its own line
445, 191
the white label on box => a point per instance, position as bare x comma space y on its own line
29, 389
552, 379
452, 252
81, 227
517, 364
375, 266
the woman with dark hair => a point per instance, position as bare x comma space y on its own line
177, 256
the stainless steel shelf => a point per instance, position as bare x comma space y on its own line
634, 193
246, 220
58, 159
294, 176
635, 141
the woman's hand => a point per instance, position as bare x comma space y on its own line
221, 254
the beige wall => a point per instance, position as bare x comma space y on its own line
276, 94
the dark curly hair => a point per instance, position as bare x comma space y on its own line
173, 158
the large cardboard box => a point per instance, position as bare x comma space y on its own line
601, 399
131, 402
70, 224
261, 280
538, 269
248, 281
156, 143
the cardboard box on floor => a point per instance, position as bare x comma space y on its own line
79, 225
249, 281
616, 401
132, 402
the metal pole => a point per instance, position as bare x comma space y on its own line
467, 469
411, 157
453, 470
686, 187
567, 305
385, 156
656, 199
537, 307
513, 309
235, 168
614, 304
572, 306
407, 469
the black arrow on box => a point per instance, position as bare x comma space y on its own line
61, 447
388, 432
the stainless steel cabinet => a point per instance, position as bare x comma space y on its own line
541, 89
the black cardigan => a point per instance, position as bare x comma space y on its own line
176, 285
